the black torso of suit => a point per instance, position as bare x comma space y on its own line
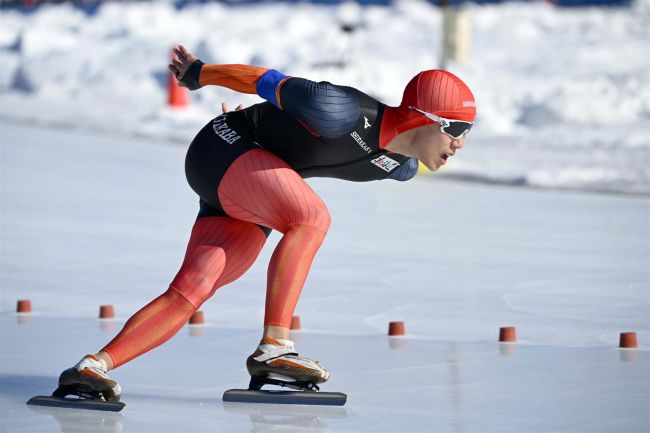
315, 145
322, 130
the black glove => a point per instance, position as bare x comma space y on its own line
191, 77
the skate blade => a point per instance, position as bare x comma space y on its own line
285, 397
76, 403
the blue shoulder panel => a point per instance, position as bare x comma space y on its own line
267, 85
406, 171
329, 110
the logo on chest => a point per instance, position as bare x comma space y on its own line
385, 163
360, 141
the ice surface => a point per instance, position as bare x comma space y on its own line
393, 384
90, 220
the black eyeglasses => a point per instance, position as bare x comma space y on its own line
453, 128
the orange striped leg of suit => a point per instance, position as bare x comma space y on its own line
261, 188
220, 250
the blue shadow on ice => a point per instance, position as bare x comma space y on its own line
17, 389
22, 388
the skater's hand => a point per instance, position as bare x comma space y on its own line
225, 109
181, 61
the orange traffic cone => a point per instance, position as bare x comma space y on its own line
178, 96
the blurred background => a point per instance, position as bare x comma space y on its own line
562, 88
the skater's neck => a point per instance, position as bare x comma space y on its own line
398, 123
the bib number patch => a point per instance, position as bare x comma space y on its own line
385, 163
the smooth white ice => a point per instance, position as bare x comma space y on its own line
90, 220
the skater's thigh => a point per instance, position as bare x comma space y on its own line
220, 250
261, 188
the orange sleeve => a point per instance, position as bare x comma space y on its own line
241, 78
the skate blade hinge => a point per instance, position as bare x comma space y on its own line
258, 382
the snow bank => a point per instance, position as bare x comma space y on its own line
563, 94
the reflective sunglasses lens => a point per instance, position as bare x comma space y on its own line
457, 129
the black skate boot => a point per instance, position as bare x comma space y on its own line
90, 385
275, 362
88, 379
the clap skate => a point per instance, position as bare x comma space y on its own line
90, 385
275, 362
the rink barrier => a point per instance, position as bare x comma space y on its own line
295, 323
628, 340
24, 306
507, 334
396, 328
197, 318
106, 312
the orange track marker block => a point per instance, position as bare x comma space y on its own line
24, 306
396, 328
197, 318
507, 334
628, 340
106, 312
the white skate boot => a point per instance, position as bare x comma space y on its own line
276, 362
88, 379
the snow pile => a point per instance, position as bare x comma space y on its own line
563, 95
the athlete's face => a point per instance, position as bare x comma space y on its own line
433, 147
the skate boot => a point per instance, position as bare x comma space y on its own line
88, 379
276, 362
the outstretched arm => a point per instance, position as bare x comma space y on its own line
194, 74
323, 108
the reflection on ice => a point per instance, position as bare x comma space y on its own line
289, 419
396, 342
82, 420
196, 330
294, 336
107, 325
23, 319
507, 349
628, 355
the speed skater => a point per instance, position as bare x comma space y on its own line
248, 168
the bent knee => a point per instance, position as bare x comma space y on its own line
322, 218
198, 283
314, 215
